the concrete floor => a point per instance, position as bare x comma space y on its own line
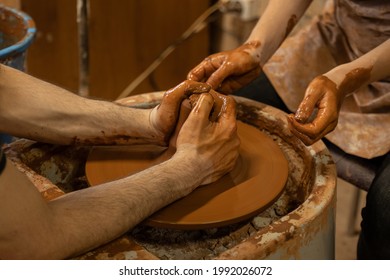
347, 235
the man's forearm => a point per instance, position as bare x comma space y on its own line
120, 205
37, 110
82, 220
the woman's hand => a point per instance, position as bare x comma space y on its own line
229, 70
326, 93
318, 113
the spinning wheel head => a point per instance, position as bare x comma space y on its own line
254, 184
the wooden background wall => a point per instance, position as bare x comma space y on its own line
125, 36
53, 56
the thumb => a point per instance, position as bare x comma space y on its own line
307, 106
201, 112
216, 79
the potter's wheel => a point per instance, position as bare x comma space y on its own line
254, 184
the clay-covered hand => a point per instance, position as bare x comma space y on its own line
212, 146
229, 70
163, 117
318, 113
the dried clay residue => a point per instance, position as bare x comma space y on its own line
290, 24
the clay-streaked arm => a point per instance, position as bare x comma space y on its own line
31, 108
377, 66
327, 92
82, 220
230, 70
275, 25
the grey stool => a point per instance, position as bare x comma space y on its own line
357, 171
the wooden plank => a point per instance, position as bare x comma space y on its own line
125, 36
53, 56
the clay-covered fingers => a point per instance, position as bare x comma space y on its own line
213, 146
229, 70
307, 107
227, 124
201, 112
309, 133
163, 118
173, 97
227, 116
317, 115
210, 70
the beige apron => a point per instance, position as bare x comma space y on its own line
343, 32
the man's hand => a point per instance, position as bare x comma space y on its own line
230, 70
163, 118
212, 145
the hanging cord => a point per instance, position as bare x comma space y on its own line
196, 27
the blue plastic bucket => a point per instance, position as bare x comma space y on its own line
17, 30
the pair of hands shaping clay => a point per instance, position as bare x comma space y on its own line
185, 110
